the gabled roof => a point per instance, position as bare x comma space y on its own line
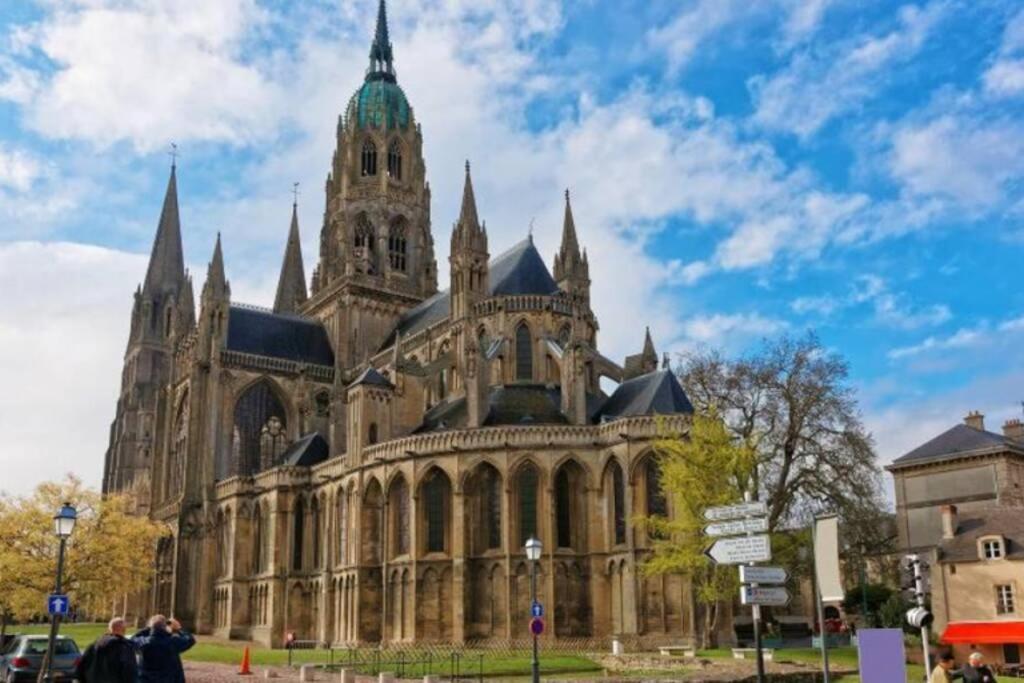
307, 451
520, 270
972, 526
510, 404
372, 377
956, 442
656, 393
278, 335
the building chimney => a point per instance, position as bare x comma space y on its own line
1013, 429
949, 522
975, 420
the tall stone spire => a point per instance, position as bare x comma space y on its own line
381, 57
291, 286
572, 270
469, 255
216, 285
166, 269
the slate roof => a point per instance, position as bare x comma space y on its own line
308, 450
278, 335
656, 393
372, 377
512, 404
1005, 522
520, 270
955, 442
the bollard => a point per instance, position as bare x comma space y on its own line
307, 673
617, 649
385, 677
347, 676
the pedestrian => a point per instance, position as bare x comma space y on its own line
160, 647
111, 659
943, 671
976, 671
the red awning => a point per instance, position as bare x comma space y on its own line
984, 632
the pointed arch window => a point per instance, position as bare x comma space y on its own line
316, 533
369, 158
371, 436
618, 503
656, 503
395, 160
298, 533
563, 507
260, 431
400, 503
434, 494
524, 353
526, 487
398, 246
492, 483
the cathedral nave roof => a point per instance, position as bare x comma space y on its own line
278, 335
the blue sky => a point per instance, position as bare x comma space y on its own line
737, 170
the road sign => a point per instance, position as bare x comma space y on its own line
536, 626
763, 574
536, 610
58, 604
770, 596
738, 511
738, 527
741, 550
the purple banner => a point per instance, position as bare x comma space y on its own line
881, 655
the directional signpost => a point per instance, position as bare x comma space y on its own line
742, 540
741, 550
763, 575
766, 596
754, 525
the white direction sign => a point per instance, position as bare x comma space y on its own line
738, 527
741, 550
763, 574
738, 511
773, 596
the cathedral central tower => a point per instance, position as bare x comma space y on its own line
376, 248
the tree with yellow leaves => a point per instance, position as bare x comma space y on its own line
107, 555
701, 470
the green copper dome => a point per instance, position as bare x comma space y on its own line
379, 103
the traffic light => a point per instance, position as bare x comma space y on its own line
920, 617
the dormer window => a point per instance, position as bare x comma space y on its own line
992, 548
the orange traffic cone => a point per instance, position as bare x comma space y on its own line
245, 670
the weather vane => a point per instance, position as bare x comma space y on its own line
295, 193
174, 154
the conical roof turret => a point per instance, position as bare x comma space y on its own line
291, 285
381, 55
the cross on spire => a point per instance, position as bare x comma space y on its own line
295, 193
174, 155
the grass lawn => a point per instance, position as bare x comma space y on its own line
493, 664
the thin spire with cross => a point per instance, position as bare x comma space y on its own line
295, 193
174, 155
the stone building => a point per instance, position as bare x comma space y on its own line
977, 576
966, 466
364, 461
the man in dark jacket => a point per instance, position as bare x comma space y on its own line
160, 647
111, 659
976, 671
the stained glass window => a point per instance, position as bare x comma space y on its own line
524, 353
257, 409
527, 492
563, 508
434, 491
656, 504
619, 503
298, 523
397, 246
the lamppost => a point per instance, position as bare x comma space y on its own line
63, 525
533, 548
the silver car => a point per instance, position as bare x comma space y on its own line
21, 660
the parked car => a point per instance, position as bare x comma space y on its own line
21, 660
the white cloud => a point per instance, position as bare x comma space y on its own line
819, 85
804, 18
890, 308
18, 169
730, 331
962, 338
697, 22
65, 321
1005, 77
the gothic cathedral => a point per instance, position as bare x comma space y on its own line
363, 462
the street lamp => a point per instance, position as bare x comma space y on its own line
63, 525
533, 548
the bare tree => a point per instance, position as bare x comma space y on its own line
791, 403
